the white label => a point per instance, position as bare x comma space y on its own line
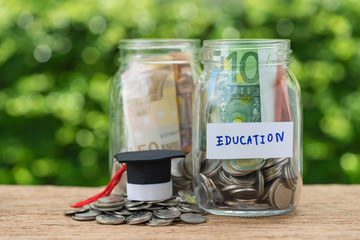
249, 140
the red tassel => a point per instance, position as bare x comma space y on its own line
113, 182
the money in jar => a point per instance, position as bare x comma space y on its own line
247, 135
150, 102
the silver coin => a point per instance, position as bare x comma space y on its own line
186, 197
111, 199
153, 208
211, 167
260, 183
133, 203
74, 211
86, 207
282, 196
139, 217
273, 161
168, 203
289, 180
192, 218
224, 179
86, 216
269, 176
245, 181
123, 212
139, 207
192, 208
272, 189
158, 222
109, 209
177, 167
108, 205
178, 208
167, 213
217, 196
188, 167
110, 219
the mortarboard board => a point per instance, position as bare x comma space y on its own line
149, 173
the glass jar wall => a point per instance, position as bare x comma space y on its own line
150, 101
247, 129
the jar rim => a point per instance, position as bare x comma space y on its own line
158, 43
246, 43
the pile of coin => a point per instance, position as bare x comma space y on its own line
116, 209
252, 184
181, 173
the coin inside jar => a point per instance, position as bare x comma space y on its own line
282, 196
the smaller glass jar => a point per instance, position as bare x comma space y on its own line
150, 102
247, 130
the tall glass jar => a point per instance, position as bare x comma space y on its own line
150, 101
247, 129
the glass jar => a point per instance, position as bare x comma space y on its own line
247, 130
150, 101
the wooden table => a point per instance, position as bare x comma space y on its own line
36, 212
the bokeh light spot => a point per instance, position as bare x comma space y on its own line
25, 20
63, 45
22, 175
44, 167
230, 33
285, 27
90, 55
88, 157
84, 137
188, 11
42, 53
97, 24
350, 162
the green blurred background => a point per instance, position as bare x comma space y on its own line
57, 57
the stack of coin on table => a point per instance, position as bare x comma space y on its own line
116, 209
250, 183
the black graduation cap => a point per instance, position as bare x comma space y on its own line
149, 173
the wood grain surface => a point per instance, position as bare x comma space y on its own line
36, 212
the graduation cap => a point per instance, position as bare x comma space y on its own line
149, 173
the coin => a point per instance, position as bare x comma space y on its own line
252, 164
273, 161
167, 213
111, 199
110, 219
282, 196
109, 205
211, 167
186, 197
109, 209
192, 218
123, 212
260, 183
228, 168
86, 216
139, 217
168, 203
192, 208
74, 211
157, 222
218, 197
133, 203
139, 207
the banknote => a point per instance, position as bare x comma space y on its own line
150, 107
184, 80
245, 88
